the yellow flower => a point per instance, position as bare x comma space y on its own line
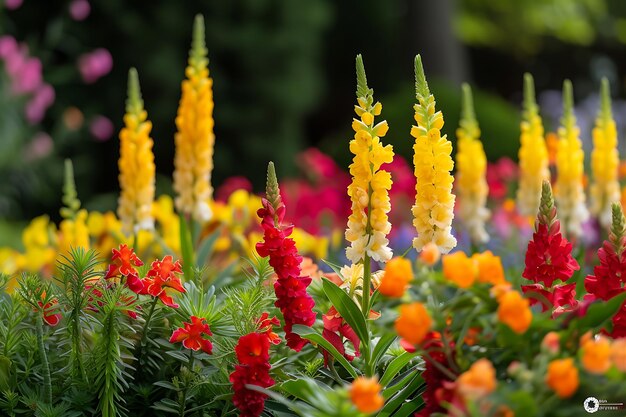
434, 201
604, 161
533, 154
309, 244
398, 274
365, 394
38, 245
562, 377
478, 381
168, 221
74, 233
596, 355
471, 164
136, 164
569, 192
514, 311
368, 225
194, 139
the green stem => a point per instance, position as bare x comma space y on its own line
76, 348
47, 380
367, 278
183, 397
144, 335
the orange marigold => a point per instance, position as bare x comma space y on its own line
562, 377
490, 268
514, 311
596, 355
365, 394
398, 274
479, 380
459, 269
414, 322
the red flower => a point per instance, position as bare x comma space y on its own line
266, 326
127, 303
161, 276
335, 329
49, 315
438, 390
191, 335
253, 369
123, 262
290, 288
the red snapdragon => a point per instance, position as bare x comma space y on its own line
192, 335
124, 262
162, 275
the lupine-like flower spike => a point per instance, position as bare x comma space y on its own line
194, 139
471, 164
434, 201
605, 188
136, 163
569, 193
533, 153
617, 234
368, 224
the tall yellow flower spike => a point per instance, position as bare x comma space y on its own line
136, 164
533, 153
569, 193
368, 224
604, 161
434, 201
471, 169
194, 139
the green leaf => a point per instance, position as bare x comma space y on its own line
186, 246
601, 311
348, 309
397, 400
206, 247
299, 408
381, 347
396, 366
407, 409
311, 335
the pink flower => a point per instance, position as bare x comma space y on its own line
39, 147
101, 128
36, 107
8, 46
13, 4
79, 9
230, 185
27, 77
95, 65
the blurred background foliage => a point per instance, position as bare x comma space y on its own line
283, 78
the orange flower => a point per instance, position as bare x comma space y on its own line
459, 269
398, 274
562, 377
489, 268
365, 394
430, 254
596, 357
504, 411
414, 322
551, 342
618, 354
479, 380
514, 311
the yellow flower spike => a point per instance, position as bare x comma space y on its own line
471, 172
368, 225
74, 233
136, 164
533, 153
195, 139
604, 161
169, 222
434, 201
569, 191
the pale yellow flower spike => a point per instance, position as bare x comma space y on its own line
368, 224
471, 170
193, 163
434, 201
569, 191
136, 164
605, 188
533, 154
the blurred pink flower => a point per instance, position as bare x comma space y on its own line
101, 128
27, 78
40, 147
230, 185
13, 4
95, 65
8, 46
36, 107
318, 165
80, 9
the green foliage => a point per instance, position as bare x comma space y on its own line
70, 196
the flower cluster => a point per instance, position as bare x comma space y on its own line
136, 164
191, 334
368, 224
471, 163
464, 271
253, 369
533, 154
290, 287
434, 202
569, 193
549, 259
195, 139
605, 188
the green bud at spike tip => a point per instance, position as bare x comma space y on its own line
530, 104
362, 90
198, 53
569, 119
605, 100
272, 191
547, 210
421, 86
134, 102
70, 196
618, 228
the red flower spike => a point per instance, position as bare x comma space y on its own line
162, 275
191, 334
253, 369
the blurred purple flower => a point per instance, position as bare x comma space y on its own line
8, 46
40, 147
36, 107
95, 65
27, 78
79, 9
101, 128
13, 4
